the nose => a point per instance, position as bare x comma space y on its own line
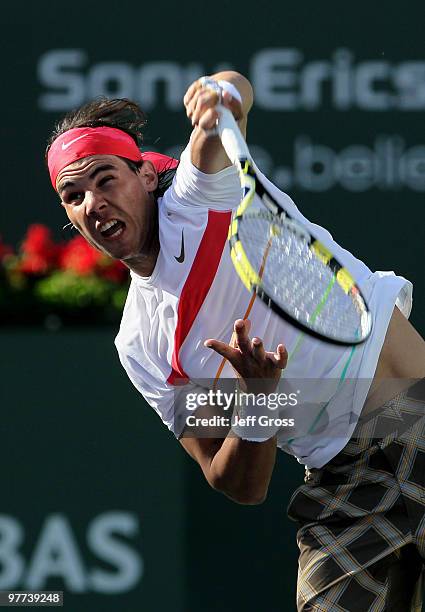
94, 203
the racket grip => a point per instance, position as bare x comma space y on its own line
230, 135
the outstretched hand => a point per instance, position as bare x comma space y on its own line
258, 370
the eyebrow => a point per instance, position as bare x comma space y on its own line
91, 176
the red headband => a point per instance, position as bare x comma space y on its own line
83, 142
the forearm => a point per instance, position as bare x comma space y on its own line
242, 470
238, 468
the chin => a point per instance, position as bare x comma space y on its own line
118, 251
125, 254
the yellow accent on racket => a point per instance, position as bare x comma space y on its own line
345, 280
321, 252
246, 272
233, 228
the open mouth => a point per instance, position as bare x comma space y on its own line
112, 228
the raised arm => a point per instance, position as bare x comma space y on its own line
239, 468
206, 151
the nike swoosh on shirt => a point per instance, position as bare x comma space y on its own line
180, 258
68, 144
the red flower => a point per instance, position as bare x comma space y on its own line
39, 255
79, 256
38, 241
39, 252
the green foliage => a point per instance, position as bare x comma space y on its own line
67, 289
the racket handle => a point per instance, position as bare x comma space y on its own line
230, 135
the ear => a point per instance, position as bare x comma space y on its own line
149, 176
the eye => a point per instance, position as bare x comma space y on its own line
74, 198
105, 180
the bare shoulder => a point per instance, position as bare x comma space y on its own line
403, 352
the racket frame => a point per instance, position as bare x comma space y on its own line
238, 153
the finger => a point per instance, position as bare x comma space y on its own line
194, 97
233, 342
232, 104
223, 349
241, 328
206, 102
191, 91
258, 351
191, 105
208, 119
281, 357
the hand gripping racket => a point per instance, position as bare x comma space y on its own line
278, 258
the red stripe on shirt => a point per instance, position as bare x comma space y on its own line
197, 285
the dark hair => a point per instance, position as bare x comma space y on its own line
119, 113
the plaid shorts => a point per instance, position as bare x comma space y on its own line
362, 516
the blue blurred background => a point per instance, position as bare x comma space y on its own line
98, 499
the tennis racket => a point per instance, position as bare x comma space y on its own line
279, 259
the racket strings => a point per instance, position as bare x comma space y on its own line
295, 279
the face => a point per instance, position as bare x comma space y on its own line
110, 205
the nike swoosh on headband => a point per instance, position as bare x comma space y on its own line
68, 144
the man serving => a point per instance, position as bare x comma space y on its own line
188, 318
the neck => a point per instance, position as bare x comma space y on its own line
144, 262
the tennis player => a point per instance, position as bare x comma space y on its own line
189, 319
